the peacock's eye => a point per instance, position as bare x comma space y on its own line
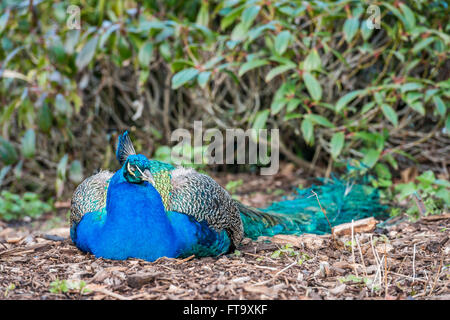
131, 168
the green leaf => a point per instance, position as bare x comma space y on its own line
277, 105
202, 78
62, 166
410, 20
290, 116
344, 100
365, 31
62, 106
426, 178
165, 51
405, 189
320, 120
444, 195
292, 104
240, 32
203, 14
4, 20
312, 61
3, 173
440, 106
278, 70
124, 48
29, 144
337, 143
418, 106
371, 157
230, 17
308, 131
105, 36
249, 65
76, 172
410, 86
45, 117
447, 124
183, 76
313, 86
367, 107
423, 44
351, 26
383, 171
249, 15
87, 53
260, 119
390, 114
8, 154
145, 54
212, 62
282, 41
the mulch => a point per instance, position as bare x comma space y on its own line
406, 261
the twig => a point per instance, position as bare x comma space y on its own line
408, 277
324, 213
276, 274
353, 251
284, 269
385, 272
110, 293
375, 255
361, 255
420, 204
437, 275
185, 259
414, 262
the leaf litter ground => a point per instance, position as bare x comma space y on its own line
408, 260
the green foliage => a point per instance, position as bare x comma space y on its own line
9, 288
288, 251
233, 185
14, 207
185, 153
430, 193
64, 286
313, 69
363, 281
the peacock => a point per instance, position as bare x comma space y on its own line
149, 209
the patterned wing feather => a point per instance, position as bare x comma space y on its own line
203, 198
89, 196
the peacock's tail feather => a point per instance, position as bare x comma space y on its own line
342, 201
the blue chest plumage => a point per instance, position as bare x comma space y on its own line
134, 224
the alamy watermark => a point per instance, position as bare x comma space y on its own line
236, 147
374, 21
74, 20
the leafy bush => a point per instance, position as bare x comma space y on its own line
431, 195
336, 89
15, 207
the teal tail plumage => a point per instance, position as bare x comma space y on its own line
342, 200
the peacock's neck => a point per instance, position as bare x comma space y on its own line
136, 224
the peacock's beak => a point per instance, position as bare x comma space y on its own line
146, 175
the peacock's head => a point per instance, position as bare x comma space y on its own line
136, 169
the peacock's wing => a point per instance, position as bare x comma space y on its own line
198, 195
89, 196
198, 238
